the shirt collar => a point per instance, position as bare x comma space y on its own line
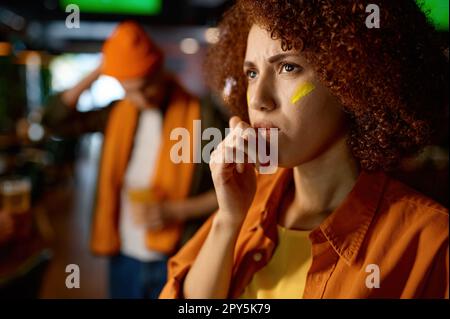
345, 228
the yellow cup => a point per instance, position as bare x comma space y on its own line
15, 195
141, 195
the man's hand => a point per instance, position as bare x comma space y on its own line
70, 97
155, 216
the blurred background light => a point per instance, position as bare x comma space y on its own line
212, 35
189, 46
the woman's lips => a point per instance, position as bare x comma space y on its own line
266, 125
263, 129
264, 132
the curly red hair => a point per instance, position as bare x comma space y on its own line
391, 81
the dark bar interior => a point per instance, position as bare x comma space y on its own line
49, 180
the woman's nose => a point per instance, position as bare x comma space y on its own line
261, 98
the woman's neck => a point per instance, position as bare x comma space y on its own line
320, 187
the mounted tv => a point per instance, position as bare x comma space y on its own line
132, 7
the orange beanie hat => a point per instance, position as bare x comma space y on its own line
130, 53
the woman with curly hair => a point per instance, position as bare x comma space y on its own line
348, 102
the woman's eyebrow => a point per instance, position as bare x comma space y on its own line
248, 64
273, 59
281, 56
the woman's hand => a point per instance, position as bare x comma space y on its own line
235, 183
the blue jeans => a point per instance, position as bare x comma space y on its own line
131, 278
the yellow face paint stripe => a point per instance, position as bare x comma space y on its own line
302, 91
248, 99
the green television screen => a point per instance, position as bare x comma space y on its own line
134, 7
437, 12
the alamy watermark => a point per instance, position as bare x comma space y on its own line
373, 278
373, 19
73, 279
257, 146
73, 19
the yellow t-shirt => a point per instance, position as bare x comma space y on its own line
284, 277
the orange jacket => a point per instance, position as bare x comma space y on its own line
172, 181
381, 222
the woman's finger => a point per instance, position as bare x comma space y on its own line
234, 121
239, 146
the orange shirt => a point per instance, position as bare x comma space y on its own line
381, 228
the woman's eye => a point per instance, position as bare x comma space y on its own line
251, 74
288, 68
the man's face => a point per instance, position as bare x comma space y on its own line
147, 91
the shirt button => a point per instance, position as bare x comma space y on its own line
257, 257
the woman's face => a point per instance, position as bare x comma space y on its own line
283, 92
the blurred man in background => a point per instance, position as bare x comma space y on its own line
145, 202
